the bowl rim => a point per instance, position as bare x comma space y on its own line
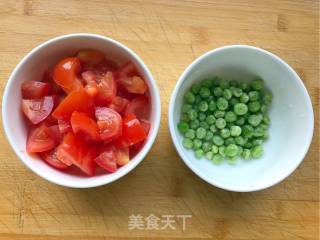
118, 174
175, 141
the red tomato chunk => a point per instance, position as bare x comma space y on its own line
87, 112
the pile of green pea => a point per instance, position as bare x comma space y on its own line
225, 120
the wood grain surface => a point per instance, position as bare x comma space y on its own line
168, 35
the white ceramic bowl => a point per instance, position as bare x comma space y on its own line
32, 67
291, 117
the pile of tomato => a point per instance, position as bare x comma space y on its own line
87, 111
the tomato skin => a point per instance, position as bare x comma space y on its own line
133, 132
77, 100
84, 125
145, 125
65, 74
40, 139
140, 107
34, 89
109, 123
37, 110
90, 57
50, 157
74, 150
119, 104
107, 89
107, 159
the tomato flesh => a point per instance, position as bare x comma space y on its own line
119, 104
109, 123
77, 100
74, 150
41, 139
90, 57
34, 89
65, 74
84, 125
107, 89
107, 159
140, 107
133, 132
51, 158
64, 126
122, 155
37, 110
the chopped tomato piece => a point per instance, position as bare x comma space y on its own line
133, 132
41, 139
133, 84
107, 89
53, 87
122, 155
119, 104
107, 159
139, 107
37, 110
90, 57
64, 126
65, 74
92, 86
89, 76
34, 89
56, 134
74, 150
51, 158
109, 123
77, 100
85, 126
145, 125
128, 69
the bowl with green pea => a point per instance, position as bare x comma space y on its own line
241, 118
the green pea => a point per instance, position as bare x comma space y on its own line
207, 83
213, 128
209, 136
222, 151
240, 140
217, 159
198, 100
194, 124
204, 92
235, 131
267, 98
229, 140
201, 133
266, 119
246, 154
220, 123
254, 106
209, 155
183, 127
219, 114
248, 145
216, 81
185, 117
237, 92
197, 143
240, 121
243, 85
189, 97
210, 119
230, 117
234, 83
247, 131
214, 149
190, 133
186, 107
199, 153
206, 146
192, 114
257, 84
244, 98
212, 106
233, 101
201, 116
187, 143
217, 140
204, 125
222, 103
224, 84
259, 131
257, 151
255, 120
254, 96
231, 150
257, 141
195, 88
225, 133
264, 108
203, 106
240, 109
227, 94
217, 91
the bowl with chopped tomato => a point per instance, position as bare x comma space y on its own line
81, 110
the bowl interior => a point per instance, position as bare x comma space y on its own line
32, 67
291, 117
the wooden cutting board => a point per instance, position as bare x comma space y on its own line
168, 35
